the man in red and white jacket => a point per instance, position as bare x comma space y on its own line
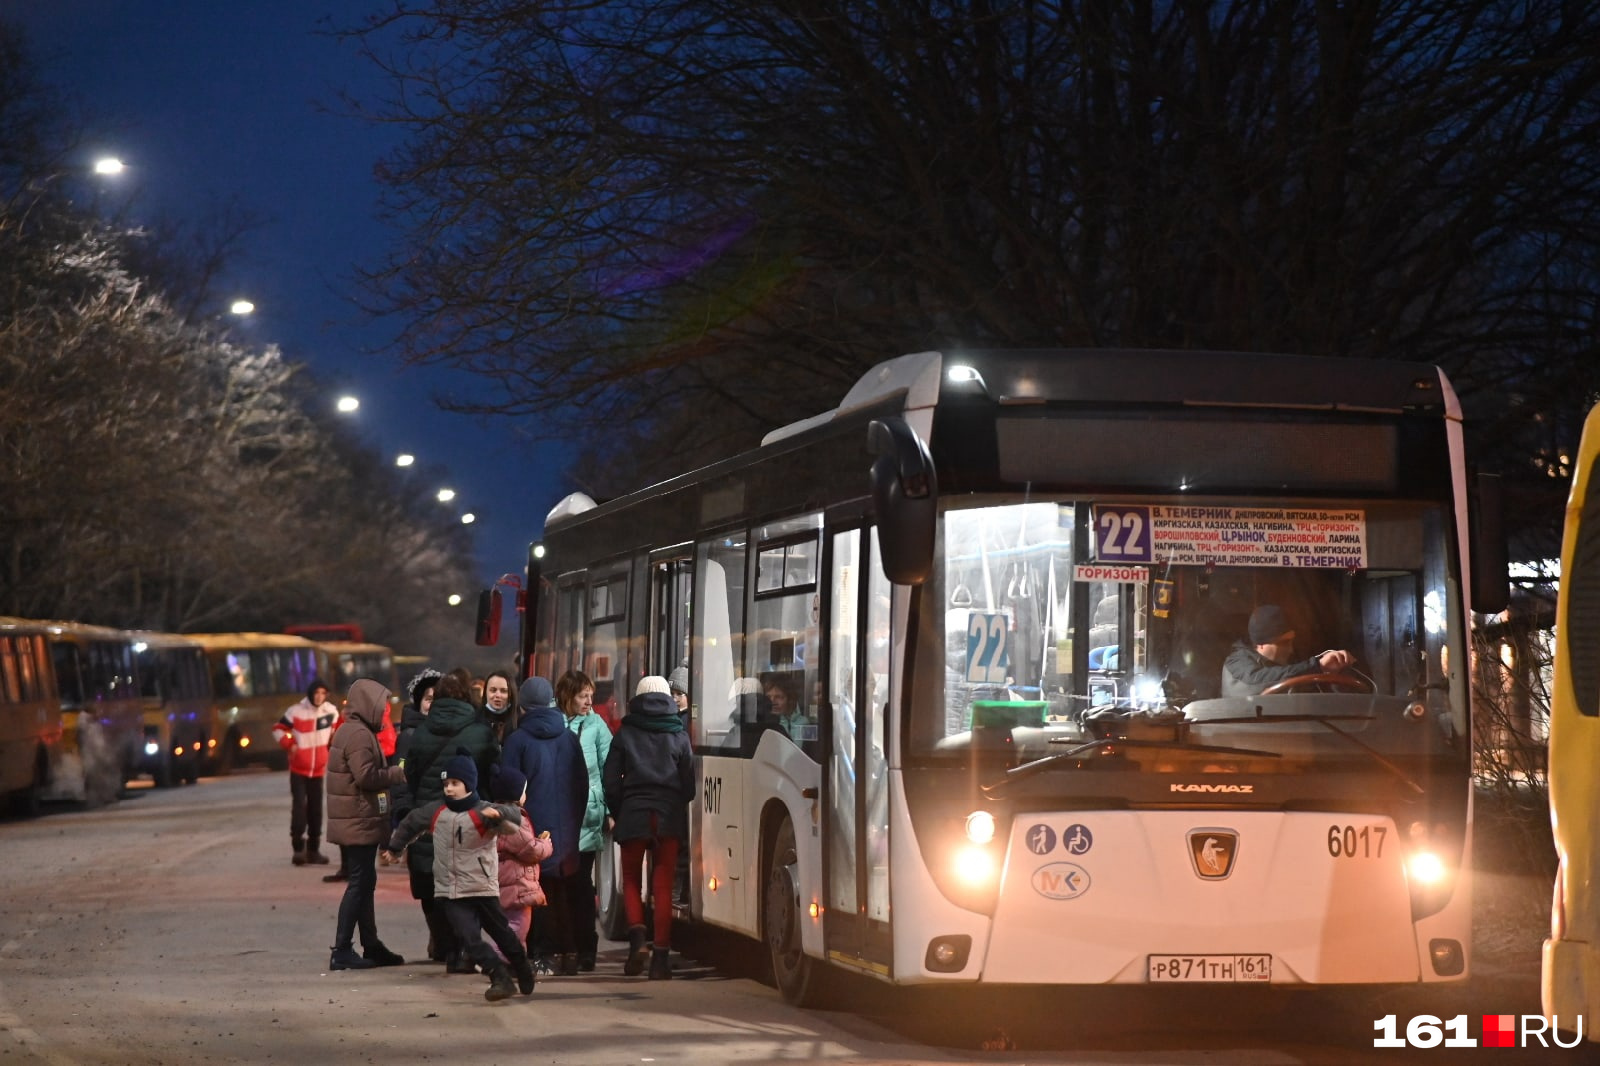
304, 732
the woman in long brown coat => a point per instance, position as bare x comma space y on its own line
358, 820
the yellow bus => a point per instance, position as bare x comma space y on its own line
255, 677
30, 713
349, 660
102, 715
1570, 973
179, 712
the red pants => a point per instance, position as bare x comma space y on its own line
663, 852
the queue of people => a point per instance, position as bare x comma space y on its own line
517, 865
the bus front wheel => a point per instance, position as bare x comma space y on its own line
795, 973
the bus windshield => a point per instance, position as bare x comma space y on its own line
1047, 628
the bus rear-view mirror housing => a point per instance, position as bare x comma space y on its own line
488, 633
1491, 563
905, 494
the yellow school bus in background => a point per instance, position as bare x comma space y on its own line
30, 714
1570, 974
102, 715
179, 712
255, 677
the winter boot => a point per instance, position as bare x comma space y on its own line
500, 984
379, 955
347, 959
660, 966
315, 857
459, 962
635, 964
299, 852
567, 965
525, 976
586, 962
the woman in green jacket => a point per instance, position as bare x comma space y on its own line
575, 697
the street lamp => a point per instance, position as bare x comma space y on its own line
242, 307
446, 495
404, 459
455, 599
348, 404
109, 164
468, 518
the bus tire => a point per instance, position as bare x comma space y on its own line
608, 890
796, 974
29, 802
163, 773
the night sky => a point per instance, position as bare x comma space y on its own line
212, 100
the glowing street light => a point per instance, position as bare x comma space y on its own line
468, 518
455, 599
404, 459
446, 495
242, 307
109, 164
348, 404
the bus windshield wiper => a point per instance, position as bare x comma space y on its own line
1324, 720
1029, 769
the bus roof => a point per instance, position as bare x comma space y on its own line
222, 641
154, 639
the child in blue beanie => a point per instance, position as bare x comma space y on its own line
466, 873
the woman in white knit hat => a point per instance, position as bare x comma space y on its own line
649, 784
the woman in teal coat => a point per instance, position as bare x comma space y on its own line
575, 697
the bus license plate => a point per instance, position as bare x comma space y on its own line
1210, 968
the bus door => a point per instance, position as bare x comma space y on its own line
671, 612
856, 846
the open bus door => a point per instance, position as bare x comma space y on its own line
856, 840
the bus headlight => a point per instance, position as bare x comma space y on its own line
1426, 868
974, 865
151, 747
980, 827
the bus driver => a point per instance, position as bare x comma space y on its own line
1267, 657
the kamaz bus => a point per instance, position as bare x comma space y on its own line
956, 657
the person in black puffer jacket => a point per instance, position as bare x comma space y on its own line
452, 723
649, 784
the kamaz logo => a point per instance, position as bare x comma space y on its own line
1234, 789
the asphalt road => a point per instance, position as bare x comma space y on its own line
172, 928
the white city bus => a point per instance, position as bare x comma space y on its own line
955, 653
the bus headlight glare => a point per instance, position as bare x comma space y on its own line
1425, 868
980, 827
151, 747
974, 865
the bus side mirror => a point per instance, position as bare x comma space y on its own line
1491, 564
489, 617
905, 494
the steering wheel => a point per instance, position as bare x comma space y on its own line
1289, 684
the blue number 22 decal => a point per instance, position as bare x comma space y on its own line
988, 651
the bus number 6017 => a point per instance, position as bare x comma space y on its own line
713, 794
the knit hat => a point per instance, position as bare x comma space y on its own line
422, 683
463, 769
1267, 624
652, 683
506, 784
678, 680
536, 692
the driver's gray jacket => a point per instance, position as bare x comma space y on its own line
1247, 671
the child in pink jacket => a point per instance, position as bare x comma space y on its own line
520, 853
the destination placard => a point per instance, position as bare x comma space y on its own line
1232, 536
